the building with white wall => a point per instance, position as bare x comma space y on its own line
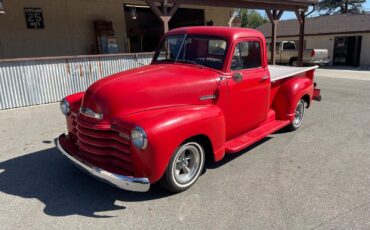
347, 37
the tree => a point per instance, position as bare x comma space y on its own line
328, 7
251, 18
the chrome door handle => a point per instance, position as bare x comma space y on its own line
264, 78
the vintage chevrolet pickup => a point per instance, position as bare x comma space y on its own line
208, 92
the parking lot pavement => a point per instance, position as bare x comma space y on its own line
353, 74
315, 178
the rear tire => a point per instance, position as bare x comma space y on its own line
298, 117
293, 62
184, 168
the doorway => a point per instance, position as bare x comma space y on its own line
144, 31
347, 51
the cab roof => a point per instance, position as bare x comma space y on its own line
229, 33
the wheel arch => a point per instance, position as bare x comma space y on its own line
205, 142
167, 129
290, 92
307, 99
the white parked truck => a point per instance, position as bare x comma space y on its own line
287, 53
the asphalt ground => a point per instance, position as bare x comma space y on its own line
317, 177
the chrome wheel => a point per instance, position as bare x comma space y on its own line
187, 163
184, 168
299, 114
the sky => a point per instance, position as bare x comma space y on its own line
291, 15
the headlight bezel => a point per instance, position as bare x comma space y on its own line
65, 107
139, 138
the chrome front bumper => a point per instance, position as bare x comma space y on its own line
122, 182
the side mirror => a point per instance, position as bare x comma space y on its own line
237, 77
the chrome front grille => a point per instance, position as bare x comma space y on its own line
104, 147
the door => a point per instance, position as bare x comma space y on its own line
249, 88
347, 51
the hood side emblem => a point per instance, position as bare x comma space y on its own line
207, 97
89, 113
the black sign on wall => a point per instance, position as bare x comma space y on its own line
34, 18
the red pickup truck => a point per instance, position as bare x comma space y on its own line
208, 92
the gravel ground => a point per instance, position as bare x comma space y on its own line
315, 178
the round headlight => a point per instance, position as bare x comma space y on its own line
64, 107
139, 138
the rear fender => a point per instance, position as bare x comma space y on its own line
290, 92
168, 128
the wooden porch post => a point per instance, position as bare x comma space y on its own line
164, 15
302, 21
274, 17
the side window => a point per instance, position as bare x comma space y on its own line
247, 55
289, 46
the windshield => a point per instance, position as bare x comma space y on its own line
199, 50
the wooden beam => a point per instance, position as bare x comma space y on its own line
165, 23
281, 12
302, 21
163, 15
274, 17
269, 15
299, 17
174, 8
154, 8
164, 4
274, 34
251, 4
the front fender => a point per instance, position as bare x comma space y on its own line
287, 97
74, 101
167, 128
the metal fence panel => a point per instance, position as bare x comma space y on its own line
26, 82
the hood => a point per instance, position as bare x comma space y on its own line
150, 87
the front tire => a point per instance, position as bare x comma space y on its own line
298, 116
184, 168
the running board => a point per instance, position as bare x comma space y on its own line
239, 143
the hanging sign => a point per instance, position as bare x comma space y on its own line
34, 18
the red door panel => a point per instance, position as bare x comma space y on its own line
249, 88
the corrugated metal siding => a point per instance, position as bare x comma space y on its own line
41, 81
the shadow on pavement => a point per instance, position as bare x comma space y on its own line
65, 190
231, 157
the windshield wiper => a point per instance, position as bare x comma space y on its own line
181, 47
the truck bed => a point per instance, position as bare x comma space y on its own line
278, 72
